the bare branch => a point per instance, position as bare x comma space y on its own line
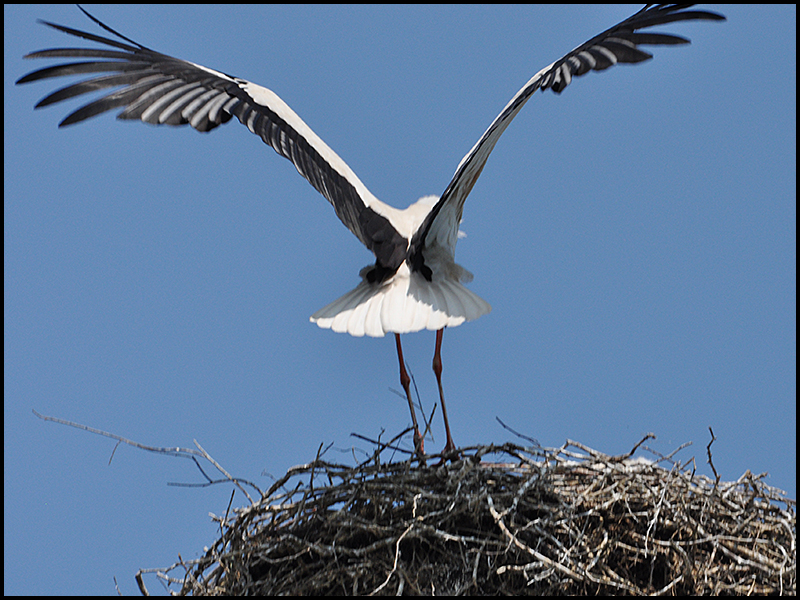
176, 451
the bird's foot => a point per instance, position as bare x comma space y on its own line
449, 452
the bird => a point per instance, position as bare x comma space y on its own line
414, 283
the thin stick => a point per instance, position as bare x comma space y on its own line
168, 451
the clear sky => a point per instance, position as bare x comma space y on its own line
636, 237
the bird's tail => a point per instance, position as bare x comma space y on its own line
402, 304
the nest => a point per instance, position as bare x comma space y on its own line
502, 520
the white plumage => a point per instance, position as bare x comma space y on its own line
407, 302
415, 282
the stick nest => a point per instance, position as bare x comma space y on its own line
503, 520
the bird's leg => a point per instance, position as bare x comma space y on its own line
437, 369
405, 380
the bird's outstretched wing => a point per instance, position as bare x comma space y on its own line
619, 44
163, 90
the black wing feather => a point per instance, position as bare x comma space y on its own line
163, 90
618, 44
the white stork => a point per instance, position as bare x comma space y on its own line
415, 282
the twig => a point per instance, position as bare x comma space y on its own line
708, 450
517, 433
168, 451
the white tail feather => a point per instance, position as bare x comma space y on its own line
403, 304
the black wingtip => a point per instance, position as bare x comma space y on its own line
109, 29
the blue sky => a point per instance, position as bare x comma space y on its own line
636, 237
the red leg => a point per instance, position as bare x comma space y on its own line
405, 380
437, 369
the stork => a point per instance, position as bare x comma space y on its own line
414, 283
